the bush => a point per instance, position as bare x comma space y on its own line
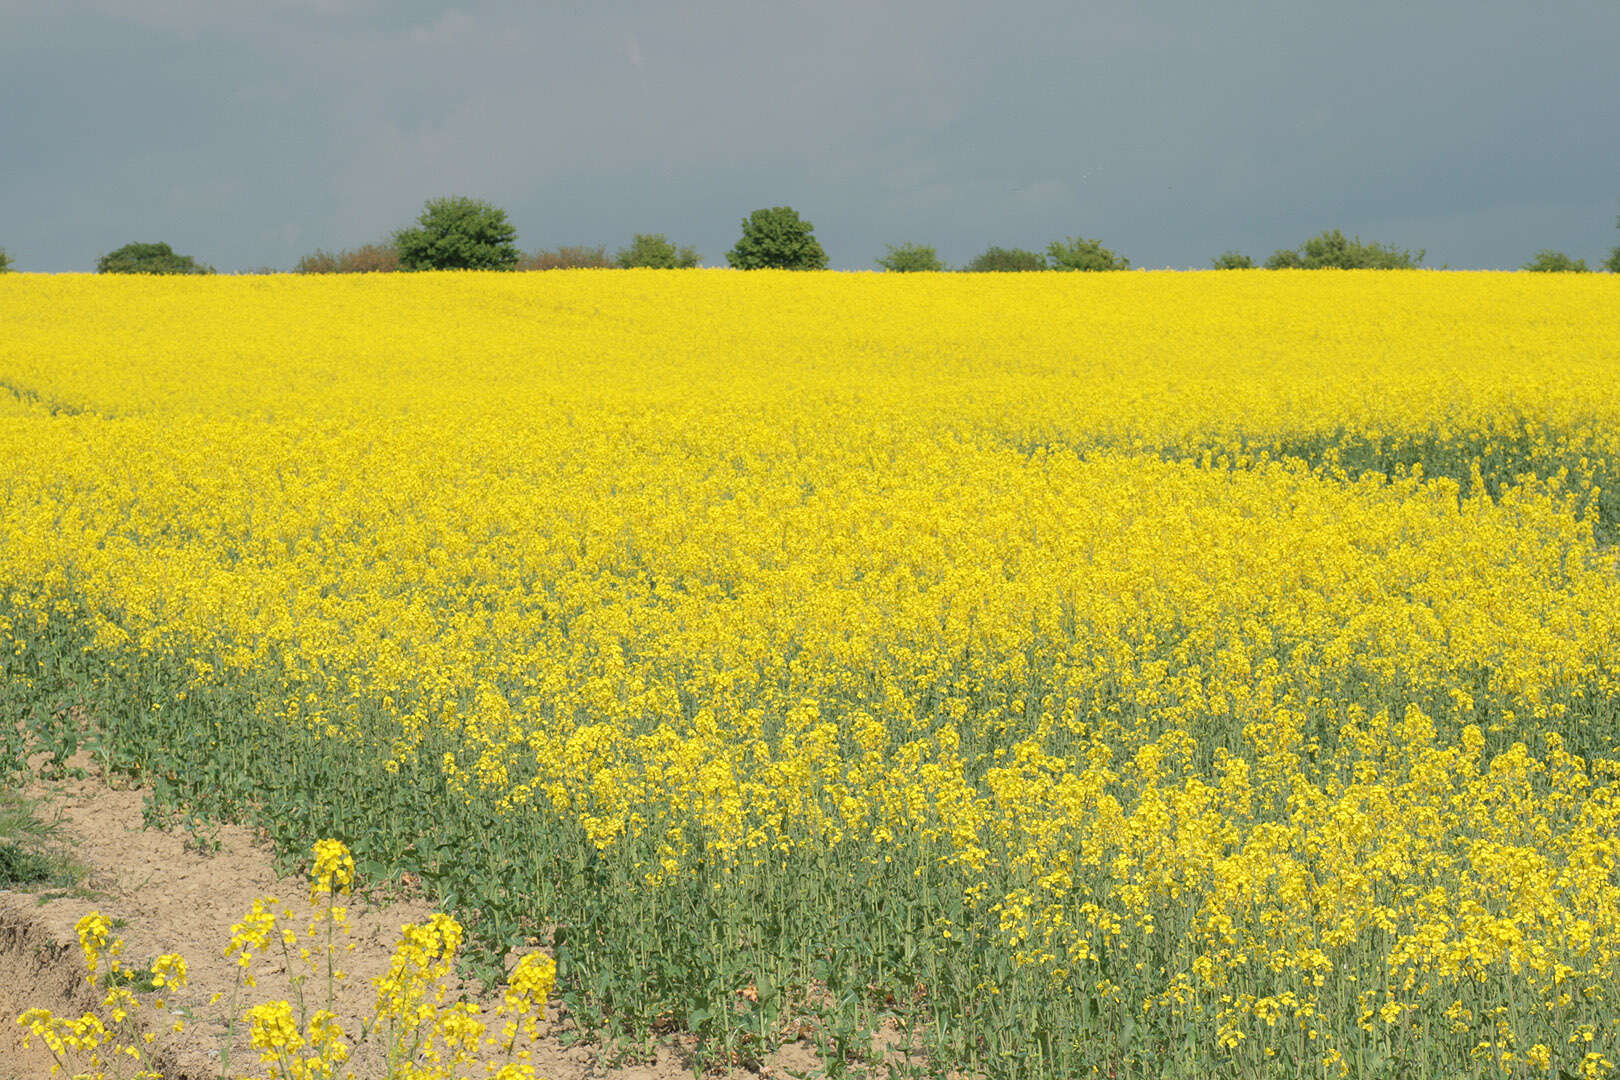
1548, 261
366, 259
910, 258
656, 251
777, 239
458, 233
999, 260
5, 261
1612, 263
1331, 251
568, 258
1078, 253
149, 259
1232, 260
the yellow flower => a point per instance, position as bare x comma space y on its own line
333, 870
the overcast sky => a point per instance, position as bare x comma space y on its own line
250, 132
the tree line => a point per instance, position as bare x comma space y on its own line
460, 233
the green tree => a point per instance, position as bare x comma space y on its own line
458, 233
1078, 253
5, 261
1332, 251
777, 238
655, 250
1000, 260
1548, 261
1232, 260
1612, 263
910, 258
149, 259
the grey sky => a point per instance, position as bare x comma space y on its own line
249, 132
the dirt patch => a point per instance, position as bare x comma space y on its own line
35, 970
166, 895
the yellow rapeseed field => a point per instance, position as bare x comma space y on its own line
1114, 674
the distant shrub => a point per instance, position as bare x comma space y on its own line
365, 259
1078, 253
656, 251
910, 258
777, 238
568, 258
5, 261
1612, 263
319, 261
1232, 260
458, 233
1332, 251
1548, 261
1000, 260
149, 259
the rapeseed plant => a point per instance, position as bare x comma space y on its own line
1197, 672
109, 1042
425, 1036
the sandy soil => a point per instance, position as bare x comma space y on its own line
172, 897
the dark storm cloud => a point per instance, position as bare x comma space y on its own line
247, 133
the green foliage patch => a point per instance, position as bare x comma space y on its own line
777, 238
156, 258
1332, 250
458, 233
1000, 260
1079, 253
910, 258
655, 251
1232, 260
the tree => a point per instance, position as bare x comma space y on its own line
777, 238
149, 259
910, 258
656, 251
1548, 261
458, 233
1612, 263
999, 260
1078, 253
5, 261
1232, 260
1332, 251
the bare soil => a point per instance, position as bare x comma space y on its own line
170, 894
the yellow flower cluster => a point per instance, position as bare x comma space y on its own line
1212, 666
426, 1036
110, 1041
333, 871
275, 1033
